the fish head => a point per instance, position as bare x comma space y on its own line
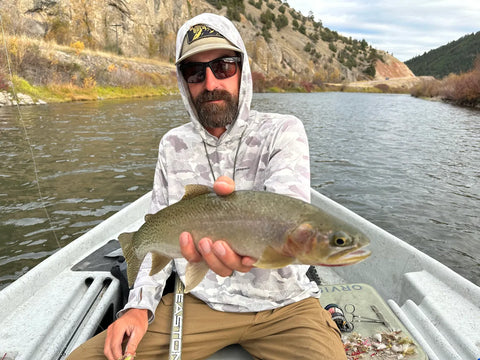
322, 247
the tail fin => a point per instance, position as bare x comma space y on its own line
133, 263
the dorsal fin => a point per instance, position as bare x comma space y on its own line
194, 190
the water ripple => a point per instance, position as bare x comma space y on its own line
409, 166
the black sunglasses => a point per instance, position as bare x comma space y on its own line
222, 68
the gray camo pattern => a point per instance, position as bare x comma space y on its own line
272, 156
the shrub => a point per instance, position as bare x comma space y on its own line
383, 88
4, 86
463, 89
258, 82
258, 4
266, 18
426, 88
370, 70
314, 37
78, 46
60, 31
266, 34
327, 35
281, 21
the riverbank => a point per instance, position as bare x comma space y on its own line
52, 73
24, 93
49, 72
462, 90
57, 93
7, 99
402, 85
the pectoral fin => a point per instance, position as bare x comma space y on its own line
158, 263
272, 259
194, 274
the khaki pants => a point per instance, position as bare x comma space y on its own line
303, 330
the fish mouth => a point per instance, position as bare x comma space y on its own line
347, 259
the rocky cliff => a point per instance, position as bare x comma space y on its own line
281, 41
392, 68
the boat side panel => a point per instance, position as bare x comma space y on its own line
37, 321
425, 290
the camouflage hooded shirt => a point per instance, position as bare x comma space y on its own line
261, 151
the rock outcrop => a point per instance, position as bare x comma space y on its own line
7, 99
392, 68
301, 50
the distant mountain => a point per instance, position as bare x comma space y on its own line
455, 57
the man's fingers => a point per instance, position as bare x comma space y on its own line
134, 324
132, 344
212, 260
229, 258
224, 186
188, 249
248, 262
113, 343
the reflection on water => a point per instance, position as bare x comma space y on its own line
410, 166
92, 158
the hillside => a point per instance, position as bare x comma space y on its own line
282, 43
456, 57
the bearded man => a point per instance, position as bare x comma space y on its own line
273, 314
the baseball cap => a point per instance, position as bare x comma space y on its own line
201, 38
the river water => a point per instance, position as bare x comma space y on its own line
410, 166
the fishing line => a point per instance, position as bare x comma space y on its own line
27, 138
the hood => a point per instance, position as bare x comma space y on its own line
228, 30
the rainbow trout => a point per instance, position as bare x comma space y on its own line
277, 230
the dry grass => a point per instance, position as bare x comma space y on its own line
463, 89
52, 72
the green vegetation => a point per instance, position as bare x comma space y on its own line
455, 57
281, 21
257, 4
234, 7
66, 92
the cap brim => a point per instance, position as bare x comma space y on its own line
206, 47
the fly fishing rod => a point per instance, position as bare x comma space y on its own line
175, 351
27, 138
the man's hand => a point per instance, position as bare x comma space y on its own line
218, 255
132, 324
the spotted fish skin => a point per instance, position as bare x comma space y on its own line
277, 230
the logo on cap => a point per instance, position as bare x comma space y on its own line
199, 32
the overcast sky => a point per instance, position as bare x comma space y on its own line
404, 28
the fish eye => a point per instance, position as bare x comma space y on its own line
340, 239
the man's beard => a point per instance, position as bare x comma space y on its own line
216, 115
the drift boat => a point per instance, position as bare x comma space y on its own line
72, 295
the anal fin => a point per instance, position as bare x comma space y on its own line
194, 275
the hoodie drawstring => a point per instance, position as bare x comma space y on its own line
234, 160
